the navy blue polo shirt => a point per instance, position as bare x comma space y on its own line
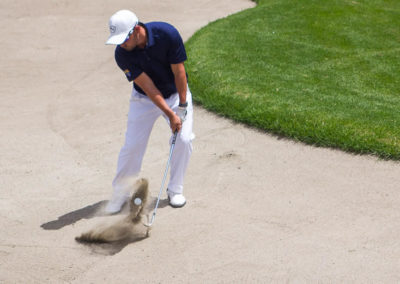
164, 47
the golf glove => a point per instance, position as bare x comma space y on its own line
182, 111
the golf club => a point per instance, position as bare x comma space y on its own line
164, 178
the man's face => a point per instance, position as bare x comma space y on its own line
131, 41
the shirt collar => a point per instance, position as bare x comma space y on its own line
150, 36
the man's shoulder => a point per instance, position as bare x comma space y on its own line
158, 24
160, 27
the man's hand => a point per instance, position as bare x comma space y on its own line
175, 123
182, 112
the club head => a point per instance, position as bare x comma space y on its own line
149, 224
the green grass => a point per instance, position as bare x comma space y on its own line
324, 72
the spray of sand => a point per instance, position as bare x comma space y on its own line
129, 227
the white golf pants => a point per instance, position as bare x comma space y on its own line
142, 115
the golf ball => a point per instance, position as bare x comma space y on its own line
137, 201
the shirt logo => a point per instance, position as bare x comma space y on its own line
128, 74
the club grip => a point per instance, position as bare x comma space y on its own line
174, 137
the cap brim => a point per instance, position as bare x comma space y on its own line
117, 39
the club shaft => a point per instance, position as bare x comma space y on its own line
164, 178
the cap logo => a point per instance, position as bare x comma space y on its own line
113, 29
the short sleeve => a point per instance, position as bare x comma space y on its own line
127, 65
176, 52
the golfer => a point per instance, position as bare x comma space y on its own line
151, 56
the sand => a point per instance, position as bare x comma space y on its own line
260, 208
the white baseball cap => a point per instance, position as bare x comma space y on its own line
120, 24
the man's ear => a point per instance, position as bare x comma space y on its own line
137, 28
136, 31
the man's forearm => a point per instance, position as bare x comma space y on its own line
181, 86
147, 85
153, 93
160, 102
180, 80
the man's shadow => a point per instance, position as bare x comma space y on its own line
96, 210
87, 212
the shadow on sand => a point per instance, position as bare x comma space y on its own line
87, 212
